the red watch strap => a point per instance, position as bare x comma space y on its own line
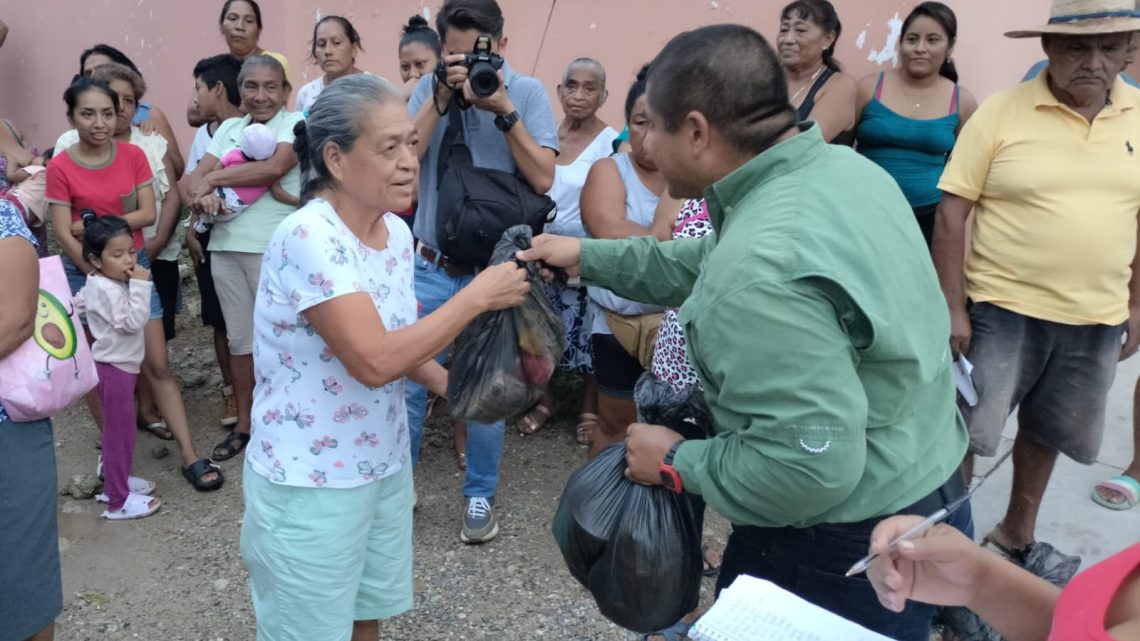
670, 478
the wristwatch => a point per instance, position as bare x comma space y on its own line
670, 478
506, 121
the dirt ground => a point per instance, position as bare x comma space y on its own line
178, 576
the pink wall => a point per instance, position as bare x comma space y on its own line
166, 39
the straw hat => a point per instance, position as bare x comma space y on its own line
1087, 17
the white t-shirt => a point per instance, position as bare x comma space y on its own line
198, 147
313, 424
568, 182
307, 94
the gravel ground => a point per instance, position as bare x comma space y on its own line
179, 576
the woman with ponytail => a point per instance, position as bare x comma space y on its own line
420, 51
911, 116
817, 86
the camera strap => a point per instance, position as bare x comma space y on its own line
454, 145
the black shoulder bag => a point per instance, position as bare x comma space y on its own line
476, 205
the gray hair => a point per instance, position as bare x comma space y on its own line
335, 118
262, 60
586, 63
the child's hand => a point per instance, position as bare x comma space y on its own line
148, 127
138, 272
77, 229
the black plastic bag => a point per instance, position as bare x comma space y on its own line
503, 360
685, 412
634, 547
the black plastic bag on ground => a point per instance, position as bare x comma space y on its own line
503, 360
685, 412
634, 547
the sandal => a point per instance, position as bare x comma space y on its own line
137, 506
1125, 486
529, 424
675, 632
158, 428
196, 470
234, 443
135, 485
1017, 555
461, 461
584, 434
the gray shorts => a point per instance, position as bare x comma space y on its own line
30, 593
1057, 375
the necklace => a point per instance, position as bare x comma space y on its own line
807, 84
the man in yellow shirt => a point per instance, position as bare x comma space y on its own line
1050, 170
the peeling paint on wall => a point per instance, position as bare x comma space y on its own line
889, 50
861, 41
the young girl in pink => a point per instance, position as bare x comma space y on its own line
116, 300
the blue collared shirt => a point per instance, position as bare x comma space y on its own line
488, 145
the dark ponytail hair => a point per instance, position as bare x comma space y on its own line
99, 232
418, 30
350, 32
81, 85
946, 19
822, 14
636, 90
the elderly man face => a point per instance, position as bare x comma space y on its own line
1083, 68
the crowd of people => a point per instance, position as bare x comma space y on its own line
812, 251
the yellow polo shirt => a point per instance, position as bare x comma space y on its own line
1057, 200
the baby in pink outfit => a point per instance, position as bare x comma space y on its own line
258, 142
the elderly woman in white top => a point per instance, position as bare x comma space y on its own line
584, 138
327, 533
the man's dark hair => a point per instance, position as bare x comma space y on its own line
107, 50
822, 14
252, 5
483, 16
731, 75
223, 68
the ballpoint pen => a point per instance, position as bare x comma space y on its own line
924, 525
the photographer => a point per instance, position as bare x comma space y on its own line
511, 130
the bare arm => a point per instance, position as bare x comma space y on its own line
253, 174
146, 213
18, 313
433, 376
864, 91
61, 224
967, 105
603, 204
376, 356
194, 182
665, 217
162, 125
167, 219
949, 251
835, 106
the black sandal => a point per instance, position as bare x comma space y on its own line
196, 470
233, 445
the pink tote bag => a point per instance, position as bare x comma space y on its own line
54, 368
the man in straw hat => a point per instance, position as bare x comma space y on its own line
1050, 169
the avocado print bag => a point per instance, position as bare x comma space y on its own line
54, 368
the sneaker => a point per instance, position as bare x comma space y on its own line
229, 412
479, 523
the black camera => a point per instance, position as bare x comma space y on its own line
87, 216
483, 68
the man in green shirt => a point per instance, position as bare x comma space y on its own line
813, 317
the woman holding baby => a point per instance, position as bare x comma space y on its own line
223, 192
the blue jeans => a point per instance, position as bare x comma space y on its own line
484, 442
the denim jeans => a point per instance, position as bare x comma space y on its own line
484, 442
811, 563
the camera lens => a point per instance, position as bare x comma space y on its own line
484, 79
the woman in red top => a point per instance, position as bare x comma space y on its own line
943, 567
113, 178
